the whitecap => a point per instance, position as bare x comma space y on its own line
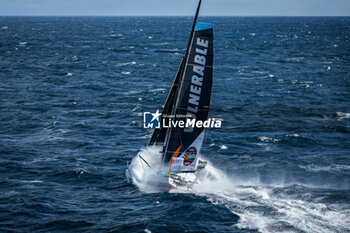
163, 43
34, 181
22, 43
4, 27
294, 59
223, 147
293, 135
343, 115
131, 92
268, 139
125, 72
81, 171
69, 74
333, 167
126, 63
158, 90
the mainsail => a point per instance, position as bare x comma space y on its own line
189, 98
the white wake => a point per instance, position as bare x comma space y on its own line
266, 208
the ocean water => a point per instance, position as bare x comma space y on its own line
73, 91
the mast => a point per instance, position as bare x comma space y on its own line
158, 135
192, 31
173, 112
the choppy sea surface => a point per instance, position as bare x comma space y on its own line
73, 91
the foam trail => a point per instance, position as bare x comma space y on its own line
269, 208
261, 207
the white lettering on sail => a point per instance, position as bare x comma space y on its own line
199, 59
195, 89
199, 70
201, 51
202, 42
197, 80
194, 99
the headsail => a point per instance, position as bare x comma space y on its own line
192, 97
158, 135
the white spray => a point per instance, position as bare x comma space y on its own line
257, 205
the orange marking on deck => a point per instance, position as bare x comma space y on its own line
176, 153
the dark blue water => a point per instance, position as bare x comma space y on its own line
73, 90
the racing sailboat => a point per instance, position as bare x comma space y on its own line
188, 100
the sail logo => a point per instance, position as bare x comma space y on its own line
190, 155
151, 120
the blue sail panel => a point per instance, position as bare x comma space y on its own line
203, 25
